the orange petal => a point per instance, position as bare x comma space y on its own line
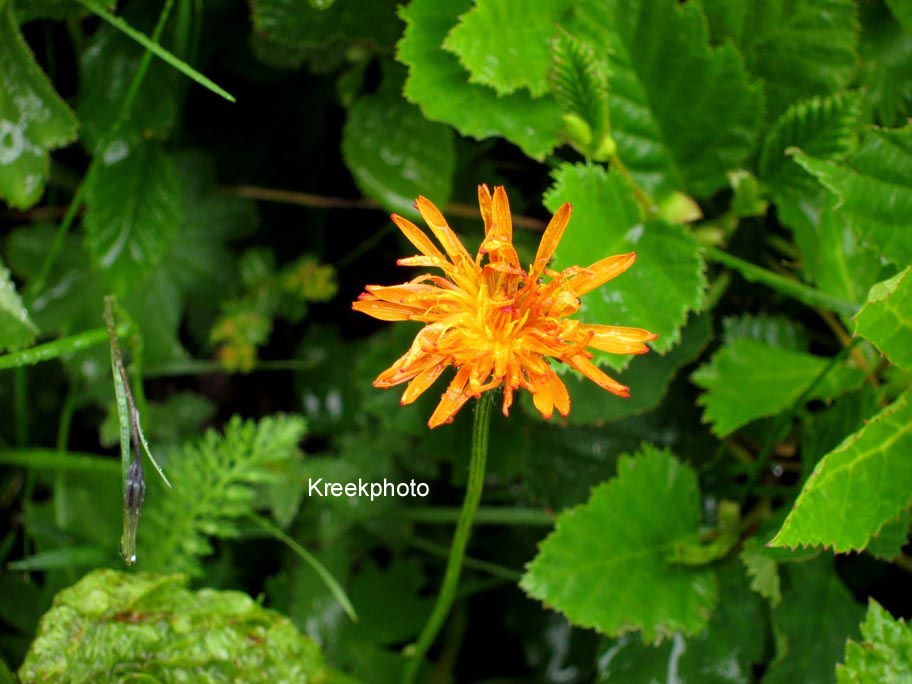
417, 237
421, 382
452, 400
601, 272
484, 203
543, 399
619, 340
427, 262
387, 311
552, 237
594, 373
441, 230
560, 395
500, 213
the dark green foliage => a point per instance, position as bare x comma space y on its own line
756, 156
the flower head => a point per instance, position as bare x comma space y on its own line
495, 322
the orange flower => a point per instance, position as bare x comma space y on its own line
496, 322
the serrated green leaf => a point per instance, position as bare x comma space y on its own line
747, 380
883, 655
800, 48
648, 377
830, 427
811, 624
151, 626
674, 131
33, 118
395, 154
133, 214
106, 66
665, 283
822, 127
763, 571
886, 318
874, 187
439, 85
288, 32
723, 654
606, 564
893, 536
16, 328
506, 44
856, 488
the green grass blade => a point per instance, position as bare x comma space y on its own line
54, 350
334, 587
156, 49
148, 453
53, 460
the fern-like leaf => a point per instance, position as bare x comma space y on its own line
214, 486
579, 82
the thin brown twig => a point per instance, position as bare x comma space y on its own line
306, 199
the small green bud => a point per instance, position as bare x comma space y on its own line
578, 132
679, 208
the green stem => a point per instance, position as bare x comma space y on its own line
787, 286
486, 515
480, 431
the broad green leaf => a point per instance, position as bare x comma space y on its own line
395, 154
506, 44
16, 328
606, 564
829, 428
885, 71
648, 377
822, 127
287, 32
106, 66
133, 214
884, 653
893, 536
746, 380
874, 188
33, 118
833, 254
151, 626
440, 86
665, 283
811, 624
674, 130
886, 318
723, 654
858, 487
800, 48
763, 571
